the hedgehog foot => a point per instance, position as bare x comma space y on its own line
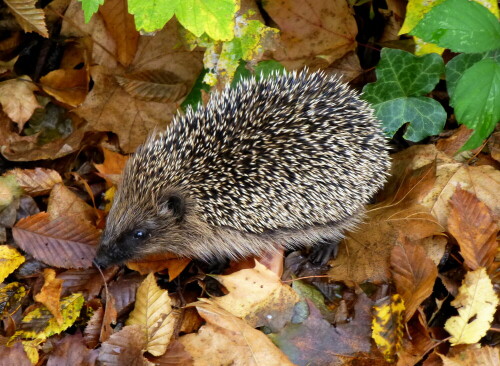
323, 251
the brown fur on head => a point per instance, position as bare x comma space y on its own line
150, 223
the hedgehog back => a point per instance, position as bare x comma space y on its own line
286, 152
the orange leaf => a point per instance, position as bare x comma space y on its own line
472, 224
414, 275
67, 86
50, 293
65, 242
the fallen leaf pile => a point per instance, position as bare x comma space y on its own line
416, 283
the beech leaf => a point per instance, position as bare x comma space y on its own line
29, 16
65, 242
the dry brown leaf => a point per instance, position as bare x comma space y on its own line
474, 228
316, 341
452, 144
65, 242
88, 281
67, 86
14, 355
159, 262
416, 344
29, 16
125, 348
71, 350
92, 330
312, 28
16, 147
36, 182
110, 108
121, 26
153, 86
473, 356
18, 100
175, 355
228, 340
258, 296
108, 318
50, 293
123, 291
364, 254
414, 275
494, 146
63, 202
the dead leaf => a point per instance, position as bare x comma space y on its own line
121, 26
63, 202
50, 293
312, 28
71, 351
414, 275
388, 325
473, 357
29, 16
159, 262
112, 167
228, 340
452, 144
153, 86
475, 229
364, 254
108, 318
258, 296
36, 182
65, 242
125, 348
14, 355
18, 100
67, 86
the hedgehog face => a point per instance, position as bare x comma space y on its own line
145, 226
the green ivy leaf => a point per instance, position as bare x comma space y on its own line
152, 15
426, 116
398, 94
193, 99
213, 17
476, 99
90, 7
401, 74
461, 26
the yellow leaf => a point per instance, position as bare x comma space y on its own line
44, 322
31, 349
387, 325
10, 259
153, 310
11, 296
476, 303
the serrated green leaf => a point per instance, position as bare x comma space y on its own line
90, 7
461, 26
213, 17
425, 115
152, 15
401, 74
476, 99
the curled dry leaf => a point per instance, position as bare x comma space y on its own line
18, 100
112, 167
414, 275
258, 296
93, 329
473, 226
67, 85
125, 348
108, 318
29, 16
36, 182
123, 291
159, 262
50, 293
228, 340
65, 242
71, 350
120, 24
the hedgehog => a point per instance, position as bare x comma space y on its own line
284, 161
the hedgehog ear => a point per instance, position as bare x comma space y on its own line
173, 204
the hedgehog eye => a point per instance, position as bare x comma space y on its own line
139, 234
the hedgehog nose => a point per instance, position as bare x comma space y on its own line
101, 261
